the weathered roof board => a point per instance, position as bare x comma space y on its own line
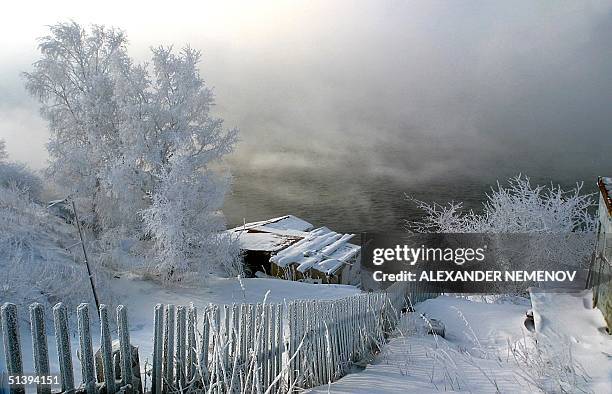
287, 222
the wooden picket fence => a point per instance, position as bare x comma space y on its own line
241, 348
109, 359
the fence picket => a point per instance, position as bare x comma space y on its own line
292, 344
88, 377
12, 344
125, 349
181, 353
62, 337
192, 323
106, 350
39, 345
168, 347
203, 359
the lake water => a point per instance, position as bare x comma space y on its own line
346, 200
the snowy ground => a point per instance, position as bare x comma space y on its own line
487, 349
140, 296
569, 318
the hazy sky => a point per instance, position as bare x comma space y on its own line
399, 89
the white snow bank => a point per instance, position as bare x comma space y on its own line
569, 318
487, 349
478, 326
465, 361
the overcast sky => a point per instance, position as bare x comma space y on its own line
412, 89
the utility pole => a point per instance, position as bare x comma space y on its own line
91, 282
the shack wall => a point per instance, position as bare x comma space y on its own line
602, 265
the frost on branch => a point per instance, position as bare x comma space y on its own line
136, 146
559, 223
516, 208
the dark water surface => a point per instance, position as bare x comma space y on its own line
346, 201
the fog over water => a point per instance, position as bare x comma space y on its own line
345, 106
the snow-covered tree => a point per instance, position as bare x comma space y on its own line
134, 143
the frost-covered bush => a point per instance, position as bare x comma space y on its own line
36, 263
536, 226
135, 144
549, 364
518, 207
16, 175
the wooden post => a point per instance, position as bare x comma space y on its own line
280, 343
106, 350
125, 350
234, 353
12, 345
169, 347
62, 337
158, 344
39, 345
192, 323
180, 346
86, 349
203, 361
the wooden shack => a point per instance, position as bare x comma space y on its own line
290, 248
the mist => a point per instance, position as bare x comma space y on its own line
345, 106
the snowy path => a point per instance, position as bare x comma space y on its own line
472, 357
419, 365
476, 354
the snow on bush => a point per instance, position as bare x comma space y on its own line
36, 264
136, 146
518, 207
16, 175
551, 226
37, 260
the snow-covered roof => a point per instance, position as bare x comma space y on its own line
265, 242
294, 241
273, 234
323, 250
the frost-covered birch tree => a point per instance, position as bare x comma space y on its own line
135, 144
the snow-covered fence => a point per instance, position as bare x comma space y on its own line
327, 336
255, 348
271, 347
115, 370
236, 348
